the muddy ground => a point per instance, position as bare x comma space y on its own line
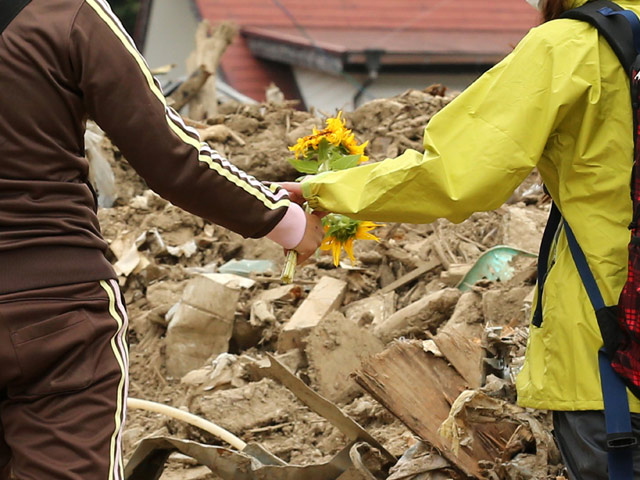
158, 248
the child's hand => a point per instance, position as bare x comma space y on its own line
295, 191
312, 238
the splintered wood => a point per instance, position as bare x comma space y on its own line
210, 45
419, 389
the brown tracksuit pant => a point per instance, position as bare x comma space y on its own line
63, 382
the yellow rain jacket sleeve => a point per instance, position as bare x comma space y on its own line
559, 101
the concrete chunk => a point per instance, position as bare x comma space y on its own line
523, 227
505, 307
192, 337
325, 297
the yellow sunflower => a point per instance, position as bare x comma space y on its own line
341, 232
354, 149
304, 144
330, 149
336, 134
343, 137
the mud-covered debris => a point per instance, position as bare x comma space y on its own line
325, 297
202, 324
418, 318
336, 347
159, 249
530, 451
419, 388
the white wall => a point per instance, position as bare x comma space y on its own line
330, 93
170, 36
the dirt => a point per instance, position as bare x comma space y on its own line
258, 409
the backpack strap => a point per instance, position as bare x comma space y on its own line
620, 27
548, 239
620, 437
10, 9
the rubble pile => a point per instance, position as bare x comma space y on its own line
400, 367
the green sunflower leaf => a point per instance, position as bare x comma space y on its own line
304, 166
344, 162
323, 150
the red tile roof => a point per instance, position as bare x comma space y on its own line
481, 28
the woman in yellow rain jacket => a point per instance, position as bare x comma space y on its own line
558, 102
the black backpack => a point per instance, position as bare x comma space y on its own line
619, 359
9, 9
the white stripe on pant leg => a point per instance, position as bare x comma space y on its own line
115, 449
123, 314
122, 344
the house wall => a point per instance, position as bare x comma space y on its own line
330, 93
170, 36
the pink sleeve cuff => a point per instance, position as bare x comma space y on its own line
290, 230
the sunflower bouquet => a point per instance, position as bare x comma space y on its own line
330, 149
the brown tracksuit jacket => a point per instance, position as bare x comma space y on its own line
62, 61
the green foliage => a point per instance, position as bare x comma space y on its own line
343, 162
340, 227
328, 157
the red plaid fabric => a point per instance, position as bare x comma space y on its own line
626, 359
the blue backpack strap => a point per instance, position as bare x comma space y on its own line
543, 259
634, 23
10, 9
620, 437
586, 276
618, 26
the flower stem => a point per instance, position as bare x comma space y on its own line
290, 263
289, 267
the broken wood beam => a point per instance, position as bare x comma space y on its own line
419, 389
211, 43
189, 88
423, 315
321, 406
461, 339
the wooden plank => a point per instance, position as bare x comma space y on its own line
419, 389
412, 275
460, 339
320, 405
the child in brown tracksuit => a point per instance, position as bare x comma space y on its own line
63, 352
